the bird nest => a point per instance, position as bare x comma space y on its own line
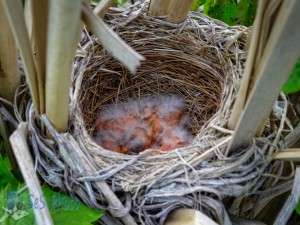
202, 61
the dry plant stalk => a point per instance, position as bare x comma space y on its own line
179, 11
268, 25
243, 89
160, 7
183, 216
10, 78
111, 41
63, 36
260, 34
14, 14
28, 17
273, 71
18, 141
289, 154
103, 7
39, 14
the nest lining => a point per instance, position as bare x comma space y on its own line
201, 60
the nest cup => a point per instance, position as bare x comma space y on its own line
202, 61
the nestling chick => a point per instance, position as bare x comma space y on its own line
174, 138
135, 126
138, 140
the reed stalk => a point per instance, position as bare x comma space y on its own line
103, 7
63, 36
9, 68
160, 7
111, 41
14, 14
179, 11
39, 34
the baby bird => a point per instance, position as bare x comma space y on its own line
135, 126
162, 112
139, 139
107, 140
174, 138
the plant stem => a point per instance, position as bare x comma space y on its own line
160, 7
63, 36
10, 78
179, 11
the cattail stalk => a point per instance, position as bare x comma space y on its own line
253, 55
63, 36
9, 68
179, 11
14, 14
39, 37
273, 71
111, 41
103, 7
160, 7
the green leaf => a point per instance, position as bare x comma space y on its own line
298, 208
63, 208
293, 83
6, 177
67, 210
225, 11
246, 12
9, 200
120, 2
196, 4
229, 11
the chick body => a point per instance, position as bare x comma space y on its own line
174, 138
135, 126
